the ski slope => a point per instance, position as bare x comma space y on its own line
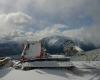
91, 73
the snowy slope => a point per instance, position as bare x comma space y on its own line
86, 70
46, 74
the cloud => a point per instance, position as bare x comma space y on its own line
13, 22
74, 13
71, 12
92, 35
86, 35
17, 18
35, 19
48, 31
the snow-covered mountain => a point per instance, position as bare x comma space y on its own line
53, 44
10, 48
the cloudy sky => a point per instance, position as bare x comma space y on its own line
35, 19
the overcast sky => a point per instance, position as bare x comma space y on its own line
35, 19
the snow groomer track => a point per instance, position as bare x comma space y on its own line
47, 63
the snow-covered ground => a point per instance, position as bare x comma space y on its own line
80, 73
